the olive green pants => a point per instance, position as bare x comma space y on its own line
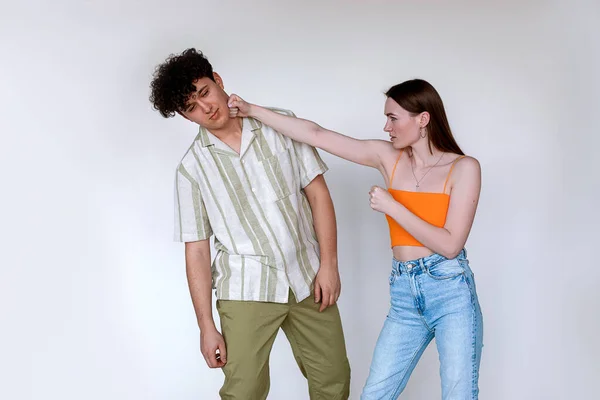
317, 340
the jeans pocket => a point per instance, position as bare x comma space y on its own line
446, 269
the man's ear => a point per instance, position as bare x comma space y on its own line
218, 80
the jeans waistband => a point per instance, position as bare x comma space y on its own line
421, 264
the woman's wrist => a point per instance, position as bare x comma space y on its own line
253, 110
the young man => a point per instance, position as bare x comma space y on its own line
265, 200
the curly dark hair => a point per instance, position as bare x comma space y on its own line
173, 80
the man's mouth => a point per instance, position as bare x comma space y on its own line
214, 114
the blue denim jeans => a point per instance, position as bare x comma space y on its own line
430, 297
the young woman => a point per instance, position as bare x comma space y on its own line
430, 203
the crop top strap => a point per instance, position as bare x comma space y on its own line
450, 172
394, 170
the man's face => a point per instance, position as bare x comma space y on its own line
207, 106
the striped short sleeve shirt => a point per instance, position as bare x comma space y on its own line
254, 205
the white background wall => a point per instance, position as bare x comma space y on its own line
93, 297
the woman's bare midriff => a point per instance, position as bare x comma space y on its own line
408, 253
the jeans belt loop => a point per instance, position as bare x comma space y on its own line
422, 264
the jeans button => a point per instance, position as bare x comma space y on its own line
409, 267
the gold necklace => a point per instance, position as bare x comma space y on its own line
412, 166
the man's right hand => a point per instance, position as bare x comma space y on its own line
210, 342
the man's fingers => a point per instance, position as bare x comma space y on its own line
324, 305
325, 301
217, 357
211, 360
219, 361
223, 353
317, 292
214, 361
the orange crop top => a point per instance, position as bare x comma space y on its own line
430, 207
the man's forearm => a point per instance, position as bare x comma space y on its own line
325, 224
199, 279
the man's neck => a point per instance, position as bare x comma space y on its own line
231, 134
232, 130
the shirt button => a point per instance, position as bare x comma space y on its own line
254, 189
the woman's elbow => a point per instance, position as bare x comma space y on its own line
451, 250
317, 130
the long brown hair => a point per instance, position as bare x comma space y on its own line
417, 96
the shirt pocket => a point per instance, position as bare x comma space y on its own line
277, 178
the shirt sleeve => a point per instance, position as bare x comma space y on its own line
310, 162
191, 219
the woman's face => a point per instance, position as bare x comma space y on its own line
402, 126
